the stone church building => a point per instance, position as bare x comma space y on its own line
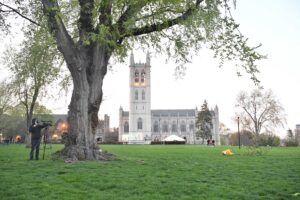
141, 125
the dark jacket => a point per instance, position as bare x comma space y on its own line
35, 131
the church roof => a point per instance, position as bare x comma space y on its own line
174, 113
171, 113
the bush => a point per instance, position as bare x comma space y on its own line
268, 140
291, 143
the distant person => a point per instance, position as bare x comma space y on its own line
35, 130
11, 140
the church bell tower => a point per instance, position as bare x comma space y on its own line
140, 102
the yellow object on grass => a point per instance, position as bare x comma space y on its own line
227, 152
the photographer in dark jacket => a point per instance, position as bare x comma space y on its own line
35, 130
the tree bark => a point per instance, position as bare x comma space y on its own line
86, 98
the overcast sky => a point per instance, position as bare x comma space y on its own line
274, 23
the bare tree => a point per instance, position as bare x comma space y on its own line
260, 110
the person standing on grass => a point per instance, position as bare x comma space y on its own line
35, 130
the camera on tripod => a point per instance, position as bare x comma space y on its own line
47, 123
46, 136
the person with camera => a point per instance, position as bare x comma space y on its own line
35, 130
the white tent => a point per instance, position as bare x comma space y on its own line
172, 138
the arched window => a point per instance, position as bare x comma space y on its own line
143, 95
155, 127
136, 96
136, 76
165, 127
143, 76
126, 127
174, 127
140, 124
183, 127
192, 126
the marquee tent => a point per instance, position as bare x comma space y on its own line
173, 138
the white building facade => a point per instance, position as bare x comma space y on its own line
141, 125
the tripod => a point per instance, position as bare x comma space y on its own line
45, 141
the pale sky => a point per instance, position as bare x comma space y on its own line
274, 23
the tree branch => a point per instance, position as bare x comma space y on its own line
64, 41
85, 21
249, 114
20, 14
34, 98
129, 12
160, 26
105, 12
262, 115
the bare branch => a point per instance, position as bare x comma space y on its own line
18, 13
260, 110
248, 112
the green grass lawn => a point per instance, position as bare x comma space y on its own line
153, 172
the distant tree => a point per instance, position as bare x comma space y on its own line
6, 102
111, 136
290, 134
223, 129
270, 139
14, 121
34, 67
246, 137
259, 110
6, 97
224, 134
204, 123
290, 139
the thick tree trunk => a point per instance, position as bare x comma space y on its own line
84, 107
87, 63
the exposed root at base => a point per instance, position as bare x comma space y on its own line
72, 154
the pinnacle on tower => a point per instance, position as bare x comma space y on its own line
216, 109
148, 59
131, 59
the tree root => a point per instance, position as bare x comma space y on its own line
71, 154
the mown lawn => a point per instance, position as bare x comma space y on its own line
153, 172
